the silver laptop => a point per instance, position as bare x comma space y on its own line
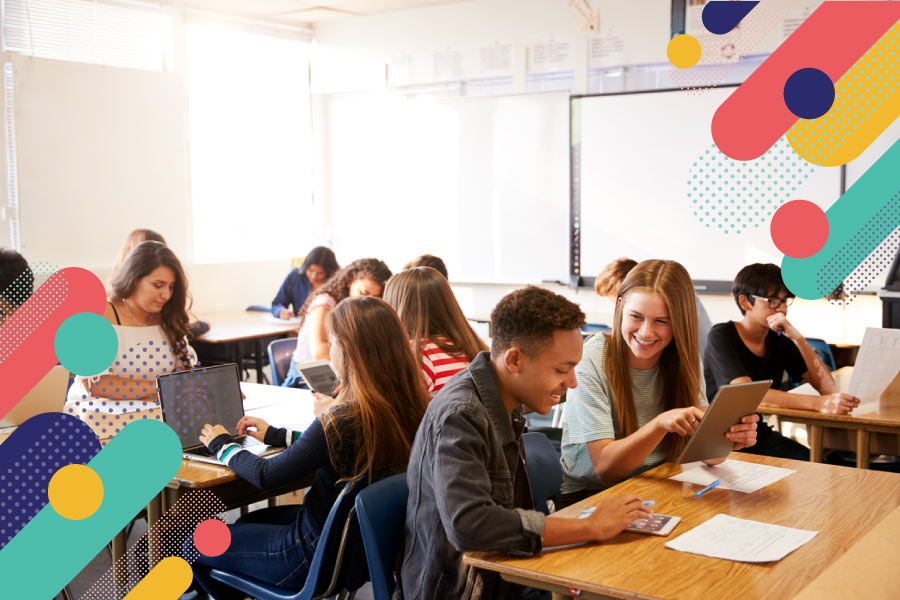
190, 399
49, 395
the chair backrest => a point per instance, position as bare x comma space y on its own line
544, 470
259, 308
381, 510
280, 352
823, 350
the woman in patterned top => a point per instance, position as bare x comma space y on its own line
444, 341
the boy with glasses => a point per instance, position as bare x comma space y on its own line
763, 345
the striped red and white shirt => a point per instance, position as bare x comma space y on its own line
439, 367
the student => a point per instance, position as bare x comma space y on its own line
362, 277
367, 433
428, 260
148, 310
444, 341
468, 488
640, 388
16, 282
608, 281
318, 267
763, 345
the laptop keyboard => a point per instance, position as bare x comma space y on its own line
244, 442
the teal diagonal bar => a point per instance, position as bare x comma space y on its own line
49, 551
857, 223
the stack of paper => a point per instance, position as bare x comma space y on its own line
741, 540
876, 366
736, 475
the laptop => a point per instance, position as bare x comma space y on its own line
190, 399
49, 395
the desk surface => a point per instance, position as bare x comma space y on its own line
237, 325
843, 504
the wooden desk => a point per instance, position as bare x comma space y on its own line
873, 428
231, 331
843, 505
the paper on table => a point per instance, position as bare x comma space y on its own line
741, 540
736, 475
876, 365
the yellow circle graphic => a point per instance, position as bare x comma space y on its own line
683, 51
75, 492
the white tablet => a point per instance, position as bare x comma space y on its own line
320, 376
732, 402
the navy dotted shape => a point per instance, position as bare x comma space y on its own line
40, 447
721, 16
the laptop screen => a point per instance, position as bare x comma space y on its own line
190, 399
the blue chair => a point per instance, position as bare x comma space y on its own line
824, 351
280, 352
259, 308
544, 470
328, 570
595, 327
381, 510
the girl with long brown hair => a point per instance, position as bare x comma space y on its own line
367, 433
443, 340
640, 388
148, 308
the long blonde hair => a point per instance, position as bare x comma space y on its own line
383, 398
679, 365
428, 310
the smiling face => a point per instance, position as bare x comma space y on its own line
153, 291
646, 328
365, 287
539, 381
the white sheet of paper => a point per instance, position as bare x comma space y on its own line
741, 540
736, 475
877, 364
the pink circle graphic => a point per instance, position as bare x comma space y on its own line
212, 537
799, 228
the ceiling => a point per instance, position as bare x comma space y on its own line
305, 12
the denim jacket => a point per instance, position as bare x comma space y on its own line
468, 490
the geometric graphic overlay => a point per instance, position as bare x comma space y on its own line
133, 467
683, 51
730, 195
869, 269
720, 17
29, 457
75, 492
799, 228
721, 53
27, 337
755, 116
858, 223
168, 536
867, 102
212, 537
168, 580
86, 344
808, 93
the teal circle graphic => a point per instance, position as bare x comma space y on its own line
86, 344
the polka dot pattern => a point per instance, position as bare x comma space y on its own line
170, 534
862, 91
872, 248
29, 458
731, 196
25, 320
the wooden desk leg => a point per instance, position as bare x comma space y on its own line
154, 537
259, 361
862, 449
120, 575
815, 443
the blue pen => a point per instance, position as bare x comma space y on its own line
649, 502
713, 485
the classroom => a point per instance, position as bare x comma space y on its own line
449, 299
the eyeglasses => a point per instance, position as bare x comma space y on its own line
775, 303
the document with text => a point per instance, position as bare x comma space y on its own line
736, 475
741, 540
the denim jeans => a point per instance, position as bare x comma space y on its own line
293, 379
266, 545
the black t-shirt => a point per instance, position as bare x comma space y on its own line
726, 358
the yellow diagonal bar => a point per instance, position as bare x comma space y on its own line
166, 581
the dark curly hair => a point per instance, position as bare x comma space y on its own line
528, 317
338, 287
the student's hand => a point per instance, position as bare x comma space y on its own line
285, 313
614, 514
779, 324
259, 427
744, 433
683, 421
836, 404
321, 403
211, 432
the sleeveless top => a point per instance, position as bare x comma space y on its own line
302, 354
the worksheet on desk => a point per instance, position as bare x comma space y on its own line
735, 475
730, 538
876, 365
